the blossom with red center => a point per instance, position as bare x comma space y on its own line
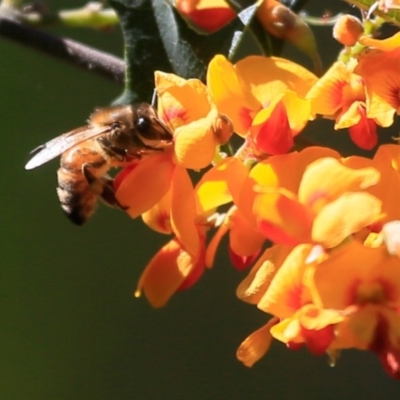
281, 291
341, 95
155, 186
308, 197
364, 284
263, 97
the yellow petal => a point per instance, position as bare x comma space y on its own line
218, 183
347, 215
180, 101
286, 293
267, 77
195, 144
326, 179
227, 93
389, 44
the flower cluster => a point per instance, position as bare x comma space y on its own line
320, 231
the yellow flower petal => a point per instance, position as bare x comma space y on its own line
286, 293
195, 144
180, 101
326, 179
347, 215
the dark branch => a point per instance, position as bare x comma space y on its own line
68, 50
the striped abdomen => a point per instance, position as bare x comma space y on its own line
78, 199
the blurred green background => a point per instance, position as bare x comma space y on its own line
69, 325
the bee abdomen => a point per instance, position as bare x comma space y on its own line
76, 198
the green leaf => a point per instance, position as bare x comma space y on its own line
144, 49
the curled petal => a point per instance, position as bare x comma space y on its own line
256, 345
389, 44
146, 184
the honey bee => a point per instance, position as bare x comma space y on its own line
114, 137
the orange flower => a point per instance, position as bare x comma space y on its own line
340, 94
307, 197
156, 185
282, 293
208, 15
263, 97
364, 283
380, 70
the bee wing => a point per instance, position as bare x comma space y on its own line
62, 143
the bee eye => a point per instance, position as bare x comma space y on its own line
115, 125
143, 125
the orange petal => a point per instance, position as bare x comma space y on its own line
140, 193
298, 110
256, 345
244, 240
217, 184
254, 286
286, 293
355, 274
226, 91
195, 144
347, 215
389, 44
158, 217
282, 219
183, 211
267, 77
326, 95
180, 101
165, 273
326, 179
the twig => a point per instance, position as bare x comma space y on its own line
76, 53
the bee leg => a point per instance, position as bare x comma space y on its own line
102, 187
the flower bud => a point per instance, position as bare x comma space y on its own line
347, 30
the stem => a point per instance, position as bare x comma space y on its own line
76, 53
